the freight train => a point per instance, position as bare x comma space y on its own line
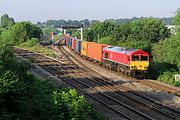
130, 62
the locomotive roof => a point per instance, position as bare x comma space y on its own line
122, 50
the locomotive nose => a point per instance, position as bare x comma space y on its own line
139, 65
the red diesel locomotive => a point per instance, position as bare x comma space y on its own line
130, 62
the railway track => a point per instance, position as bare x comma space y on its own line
160, 87
42, 62
104, 99
84, 82
157, 106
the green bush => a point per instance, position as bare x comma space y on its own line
20, 32
33, 46
29, 43
168, 77
168, 50
74, 107
24, 96
106, 40
14, 82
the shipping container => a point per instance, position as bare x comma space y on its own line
78, 46
66, 40
73, 43
84, 49
95, 51
70, 42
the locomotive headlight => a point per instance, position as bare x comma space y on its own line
146, 66
133, 66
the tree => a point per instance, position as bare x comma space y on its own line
21, 32
99, 30
168, 50
94, 31
140, 33
176, 19
6, 21
39, 24
149, 29
106, 40
85, 23
121, 33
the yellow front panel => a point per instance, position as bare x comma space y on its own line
139, 65
84, 48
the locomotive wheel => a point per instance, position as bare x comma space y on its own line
124, 72
128, 73
118, 69
121, 70
109, 66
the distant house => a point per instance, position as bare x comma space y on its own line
172, 28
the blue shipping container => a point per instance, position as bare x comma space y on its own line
78, 46
69, 42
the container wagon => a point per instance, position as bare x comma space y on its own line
95, 52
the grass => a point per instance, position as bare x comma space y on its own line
32, 45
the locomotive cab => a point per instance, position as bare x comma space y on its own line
139, 61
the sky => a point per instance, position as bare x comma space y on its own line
42, 10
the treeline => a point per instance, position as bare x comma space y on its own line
86, 22
52, 25
26, 97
